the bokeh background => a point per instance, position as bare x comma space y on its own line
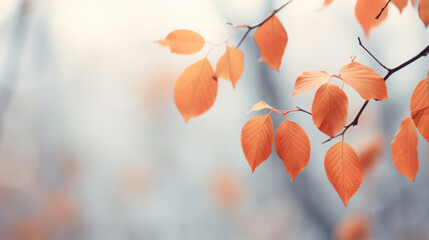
93, 147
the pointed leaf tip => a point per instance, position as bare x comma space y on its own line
367, 10
424, 12
400, 4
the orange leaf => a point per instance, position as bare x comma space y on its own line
259, 106
367, 82
310, 80
327, 2
293, 147
404, 149
183, 42
257, 140
419, 107
400, 4
329, 109
195, 90
344, 170
371, 153
227, 189
367, 10
271, 39
354, 227
230, 65
424, 12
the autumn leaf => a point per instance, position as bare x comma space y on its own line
195, 90
183, 41
329, 109
230, 65
327, 2
370, 154
367, 82
259, 106
353, 227
227, 189
344, 170
271, 39
293, 147
400, 4
310, 80
257, 140
419, 107
404, 149
367, 10
424, 12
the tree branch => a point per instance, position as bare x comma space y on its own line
382, 10
250, 28
390, 71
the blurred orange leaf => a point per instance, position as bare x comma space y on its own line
329, 109
310, 80
327, 2
257, 140
61, 208
195, 90
259, 106
183, 41
230, 65
419, 107
31, 228
367, 82
400, 4
367, 10
354, 227
404, 149
227, 189
271, 39
293, 147
424, 12
369, 155
344, 170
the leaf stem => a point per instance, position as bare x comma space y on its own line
285, 112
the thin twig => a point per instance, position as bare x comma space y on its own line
360, 43
285, 112
250, 28
382, 10
302, 110
390, 71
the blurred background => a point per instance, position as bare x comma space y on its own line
93, 147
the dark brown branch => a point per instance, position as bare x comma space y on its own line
302, 110
382, 10
250, 28
390, 71
360, 43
